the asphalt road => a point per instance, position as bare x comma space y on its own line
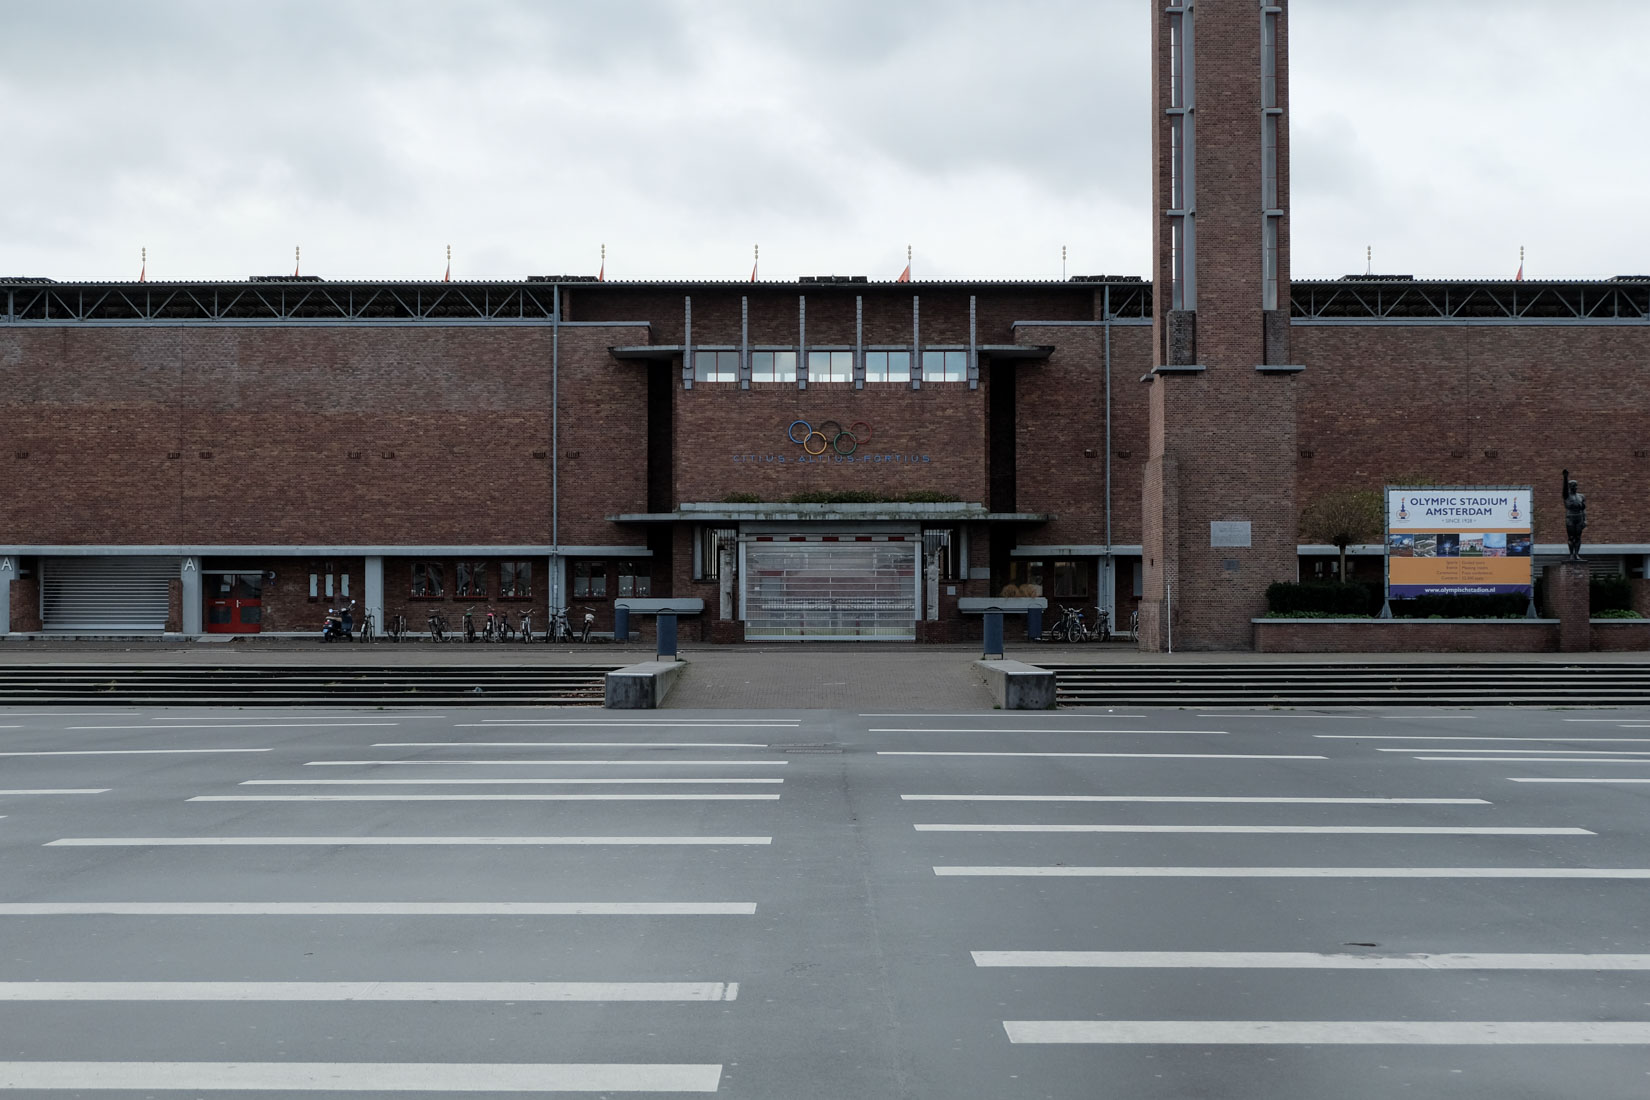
809, 904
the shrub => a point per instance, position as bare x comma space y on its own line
1323, 599
1461, 607
1612, 593
1617, 613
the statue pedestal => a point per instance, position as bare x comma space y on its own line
1568, 602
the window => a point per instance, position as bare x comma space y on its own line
589, 580
515, 580
471, 578
1071, 577
428, 580
948, 547
1025, 578
715, 366
712, 541
830, 366
634, 581
945, 366
773, 366
888, 366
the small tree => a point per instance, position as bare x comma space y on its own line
1344, 517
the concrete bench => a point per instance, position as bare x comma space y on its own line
667, 611
1032, 607
640, 687
1018, 686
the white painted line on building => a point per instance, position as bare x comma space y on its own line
126, 752
1296, 872
484, 798
1527, 760
1108, 755
1527, 752
369, 991
364, 1076
569, 745
389, 841
1010, 729
696, 781
170, 725
61, 790
1306, 960
561, 763
379, 908
1332, 1032
1301, 830
1470, 737
1221, 799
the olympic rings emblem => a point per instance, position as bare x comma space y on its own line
830, 435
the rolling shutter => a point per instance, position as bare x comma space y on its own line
823, 590
106, 593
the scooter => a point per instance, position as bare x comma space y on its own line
340, 624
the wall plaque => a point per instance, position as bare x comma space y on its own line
1229, 533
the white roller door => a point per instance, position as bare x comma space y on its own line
830, 589
106, 593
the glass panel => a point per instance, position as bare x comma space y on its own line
716, 366
899, 366
830, 590
713, 540
251, 615
218, 615
1071, 578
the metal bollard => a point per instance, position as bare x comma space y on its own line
666, 648
993, 633
621, 624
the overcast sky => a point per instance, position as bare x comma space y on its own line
1444, 133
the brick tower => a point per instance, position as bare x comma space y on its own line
1219, 493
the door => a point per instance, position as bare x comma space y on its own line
234, 603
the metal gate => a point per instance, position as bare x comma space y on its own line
838, 589
106, 593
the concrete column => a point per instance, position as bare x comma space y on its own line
190, 574
8, 573
372, 590
553, 585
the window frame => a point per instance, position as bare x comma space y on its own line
519, 571
429, 568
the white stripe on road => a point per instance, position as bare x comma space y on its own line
126, 752
1330, 1032
62, 790
484, 798
1085, 715
1109, 755
369, 991
1061, 871
1009, 729
1618, 721
732, 725
1307, 960
1611, 779
1528, 752
1307, 717
562, 763
364, 1076
1223, 799
242, 726
387, 841
71, 714
697, 780
349, 718
1527, 760
569, 745
378, 908
1467, 737
1361, 830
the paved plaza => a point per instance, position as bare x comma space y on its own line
761, 903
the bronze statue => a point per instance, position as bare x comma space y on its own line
1575, 515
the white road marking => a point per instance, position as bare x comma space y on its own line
71, 714
369, 991
484, 798
387, 841
561, 763
1010, 729
734, 725
61, 790
1108, 755
1307, 960
1170, 798
1618, 721
1331, 1032
379, 908
569, 745
1530, 752
126, 752
1307, 717
697, 781
1611, 779
1527, 760
1061, 871
264, 717
364, 1076
1086, 715
1468, 737
242, 726
1303, 830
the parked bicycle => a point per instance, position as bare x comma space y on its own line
526, 626
368, 627
504, 627
438, 626
589, 621
558, 630
1072, 628
470, 623
395, 627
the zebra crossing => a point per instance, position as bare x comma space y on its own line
368, 920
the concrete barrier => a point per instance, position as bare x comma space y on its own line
640, 687
1016, 685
